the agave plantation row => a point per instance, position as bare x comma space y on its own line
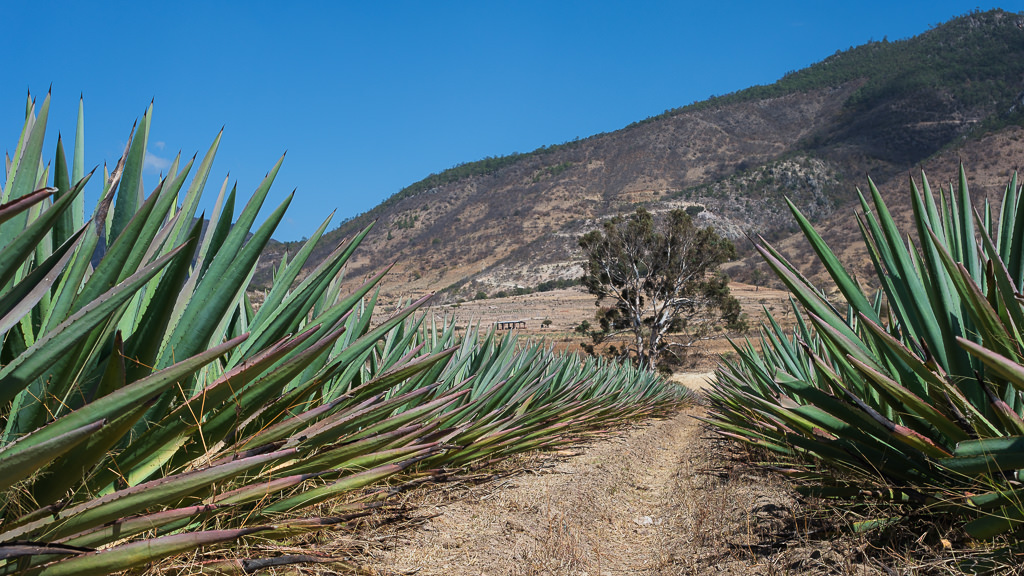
148, 409
914, 393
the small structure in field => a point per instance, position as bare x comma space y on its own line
510, 324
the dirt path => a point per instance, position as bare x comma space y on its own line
694, 380
653, 500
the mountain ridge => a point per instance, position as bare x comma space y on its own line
880, 109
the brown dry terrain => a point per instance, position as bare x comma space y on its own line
661, 498
567, 308
989, 163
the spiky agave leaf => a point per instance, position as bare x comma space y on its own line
902, 395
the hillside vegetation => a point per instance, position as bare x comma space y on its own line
969, 59
883, 108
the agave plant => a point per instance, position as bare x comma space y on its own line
130, 385
148, 408
916, 390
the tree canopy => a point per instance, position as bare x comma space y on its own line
663, 279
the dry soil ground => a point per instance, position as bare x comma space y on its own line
661, 498
665, 497
567, 308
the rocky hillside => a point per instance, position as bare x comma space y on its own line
883, 109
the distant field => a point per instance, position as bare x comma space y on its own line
567, 308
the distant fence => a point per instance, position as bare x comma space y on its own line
510, 325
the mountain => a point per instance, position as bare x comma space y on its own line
884, 109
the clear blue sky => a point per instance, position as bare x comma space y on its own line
368, 97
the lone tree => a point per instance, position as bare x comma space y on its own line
661, 276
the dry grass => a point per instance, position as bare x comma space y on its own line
655, 500
667, 497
